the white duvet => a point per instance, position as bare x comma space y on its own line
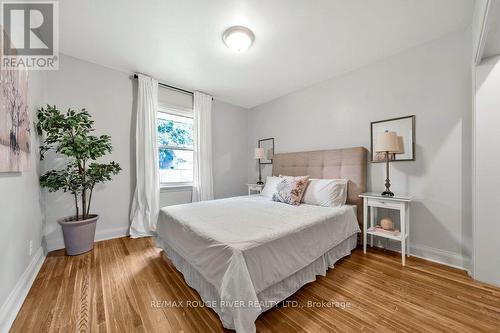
244, 245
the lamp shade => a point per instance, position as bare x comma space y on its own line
387, 142
259, 153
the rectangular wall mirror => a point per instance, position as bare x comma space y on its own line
404, 127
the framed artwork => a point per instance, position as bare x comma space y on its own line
404, 127
268, 145
15, 123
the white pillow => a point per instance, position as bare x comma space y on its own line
270, 187
326, 192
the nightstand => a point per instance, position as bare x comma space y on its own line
254, 188
397, 202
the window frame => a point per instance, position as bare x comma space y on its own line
181, 112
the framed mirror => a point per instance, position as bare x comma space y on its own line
404, 127
268, 145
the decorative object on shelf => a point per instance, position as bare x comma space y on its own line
70, 135
405, 127
258, 155
389, 143
268, 146
386, 223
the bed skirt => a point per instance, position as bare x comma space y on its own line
270, 296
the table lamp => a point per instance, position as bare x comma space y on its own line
258, 154
389, 143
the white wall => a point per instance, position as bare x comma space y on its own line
109, 96
229, 135
487, 164
21, 221
433, 82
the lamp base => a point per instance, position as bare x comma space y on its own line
388, 193
260, 182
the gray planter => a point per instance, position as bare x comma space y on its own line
78, 235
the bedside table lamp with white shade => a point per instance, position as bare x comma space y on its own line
389, 143
258, 154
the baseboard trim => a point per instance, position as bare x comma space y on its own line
15, 300
57, 243
439, 256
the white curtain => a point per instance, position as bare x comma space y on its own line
202, 138
146, 201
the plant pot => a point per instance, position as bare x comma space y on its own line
78, 235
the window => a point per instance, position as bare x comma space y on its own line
175, 144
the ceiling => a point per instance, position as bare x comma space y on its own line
492, 45
297, 42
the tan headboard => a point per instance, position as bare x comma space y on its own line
348, 163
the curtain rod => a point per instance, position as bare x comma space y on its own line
163, 85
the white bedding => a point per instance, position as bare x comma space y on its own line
243, 245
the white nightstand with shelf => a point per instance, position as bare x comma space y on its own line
397, 202
254, 188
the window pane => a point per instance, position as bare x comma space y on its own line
175, 130
175, 165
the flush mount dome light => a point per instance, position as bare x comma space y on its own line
238, 38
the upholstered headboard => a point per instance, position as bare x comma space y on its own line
348, 163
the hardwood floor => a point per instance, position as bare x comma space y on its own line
112, 289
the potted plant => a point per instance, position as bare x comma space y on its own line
70, 135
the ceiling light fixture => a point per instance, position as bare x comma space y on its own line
238, 38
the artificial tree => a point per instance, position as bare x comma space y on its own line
69, 134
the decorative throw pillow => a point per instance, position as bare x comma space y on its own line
290, 189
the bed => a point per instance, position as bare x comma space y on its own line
246, 254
